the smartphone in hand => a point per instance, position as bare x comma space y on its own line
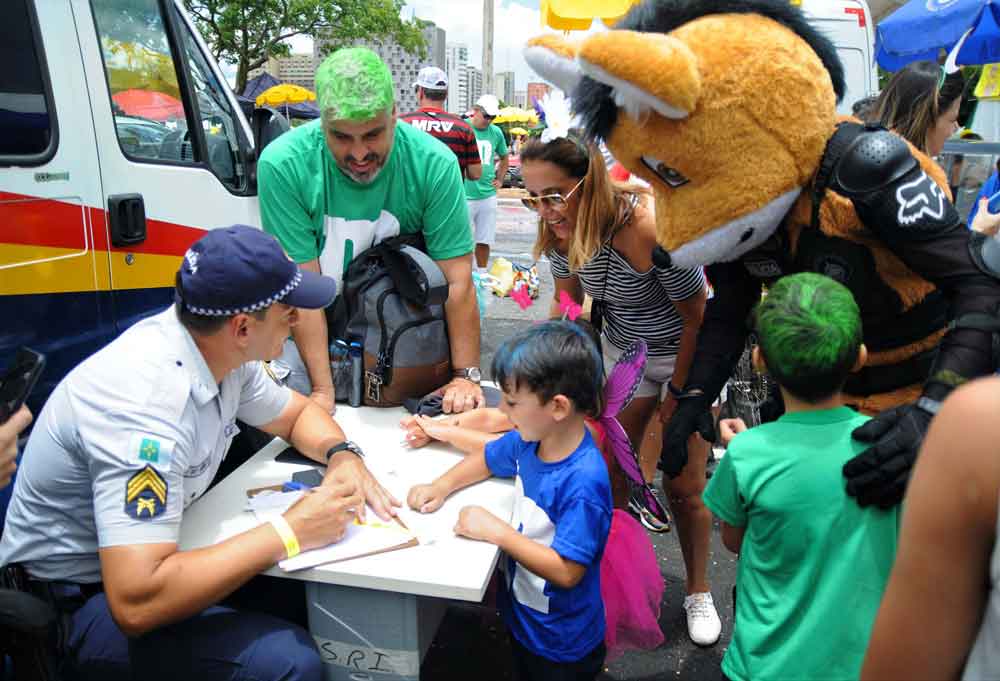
18, 380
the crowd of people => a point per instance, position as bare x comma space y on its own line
836, 579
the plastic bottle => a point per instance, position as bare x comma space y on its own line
357, 374
340, 367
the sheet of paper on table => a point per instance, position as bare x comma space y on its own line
373, 536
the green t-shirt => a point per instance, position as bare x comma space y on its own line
813, 564
492, 146
316, 211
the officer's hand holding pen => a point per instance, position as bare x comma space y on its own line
322, 515
347, 467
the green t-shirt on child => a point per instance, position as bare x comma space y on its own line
492, 145
813, 564
316, 211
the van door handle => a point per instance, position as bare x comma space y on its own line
127, 219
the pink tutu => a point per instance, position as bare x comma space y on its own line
632, 588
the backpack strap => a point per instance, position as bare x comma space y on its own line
415, 275
835, 147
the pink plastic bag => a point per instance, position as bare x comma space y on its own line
632, 588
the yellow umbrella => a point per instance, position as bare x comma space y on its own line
513, 114
518, 131
578, 15
285, 93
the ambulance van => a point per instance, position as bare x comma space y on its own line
120, 143
849, 26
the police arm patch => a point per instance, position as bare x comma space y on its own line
145, 494
150, 450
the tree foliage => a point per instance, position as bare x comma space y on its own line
247, 32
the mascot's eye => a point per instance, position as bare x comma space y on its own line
671, 177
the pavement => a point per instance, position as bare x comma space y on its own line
472, 642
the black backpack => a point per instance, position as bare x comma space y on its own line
392, 302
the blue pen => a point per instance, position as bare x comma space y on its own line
294, 486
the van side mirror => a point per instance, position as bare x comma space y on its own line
268, 125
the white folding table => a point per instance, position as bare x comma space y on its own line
373, 618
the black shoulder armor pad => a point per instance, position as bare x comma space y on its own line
874, 160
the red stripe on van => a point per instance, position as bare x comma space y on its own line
32, 220
859, 11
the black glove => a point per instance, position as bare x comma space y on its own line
878, 475
693, 415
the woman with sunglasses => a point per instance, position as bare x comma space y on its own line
599, 238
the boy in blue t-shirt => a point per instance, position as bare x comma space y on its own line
551, 376
813, 564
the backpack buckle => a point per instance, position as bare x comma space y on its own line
373, 386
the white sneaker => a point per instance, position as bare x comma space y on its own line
704, 625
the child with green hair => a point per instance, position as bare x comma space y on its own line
813, 564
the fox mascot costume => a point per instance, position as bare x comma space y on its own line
728, 109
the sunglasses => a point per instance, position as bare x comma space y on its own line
550, 201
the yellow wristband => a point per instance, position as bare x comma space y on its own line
287, 535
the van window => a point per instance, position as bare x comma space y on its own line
215, 115
150, 116
145, 95
27, 130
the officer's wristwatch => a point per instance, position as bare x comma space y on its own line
469, 374
345, 446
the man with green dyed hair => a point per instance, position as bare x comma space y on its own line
813, 564
332, 188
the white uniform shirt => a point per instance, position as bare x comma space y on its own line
126, 442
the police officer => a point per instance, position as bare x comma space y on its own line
134, 435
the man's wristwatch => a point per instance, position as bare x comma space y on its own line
345, 446
469, 374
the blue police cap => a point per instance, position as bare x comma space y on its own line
240, 269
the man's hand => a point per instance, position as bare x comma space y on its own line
475, 522
324, 398
667, 408
878, 475
8, 443
426, 498
461, 395
730, 428
323, 513
497, 183
985, 222
347, 467
691, 416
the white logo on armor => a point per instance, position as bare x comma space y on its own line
534, 523
192, 258
919, 198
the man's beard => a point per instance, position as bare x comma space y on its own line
369, 176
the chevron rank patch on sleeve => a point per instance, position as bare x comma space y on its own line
145, 494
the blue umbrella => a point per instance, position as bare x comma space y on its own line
921, 28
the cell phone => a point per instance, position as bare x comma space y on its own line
994, 203
19, 380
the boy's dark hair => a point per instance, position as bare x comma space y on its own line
549, 359
809, 332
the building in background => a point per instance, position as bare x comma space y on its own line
520, 99
456, 59
298, 69
537, 91
403, 65
503, 85
470, 88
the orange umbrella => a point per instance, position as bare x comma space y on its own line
578, 15
149, 104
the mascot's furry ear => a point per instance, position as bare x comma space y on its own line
636, 65
554, 58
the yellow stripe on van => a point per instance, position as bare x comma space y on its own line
30, 269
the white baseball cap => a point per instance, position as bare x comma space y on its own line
489, 104
431, 78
